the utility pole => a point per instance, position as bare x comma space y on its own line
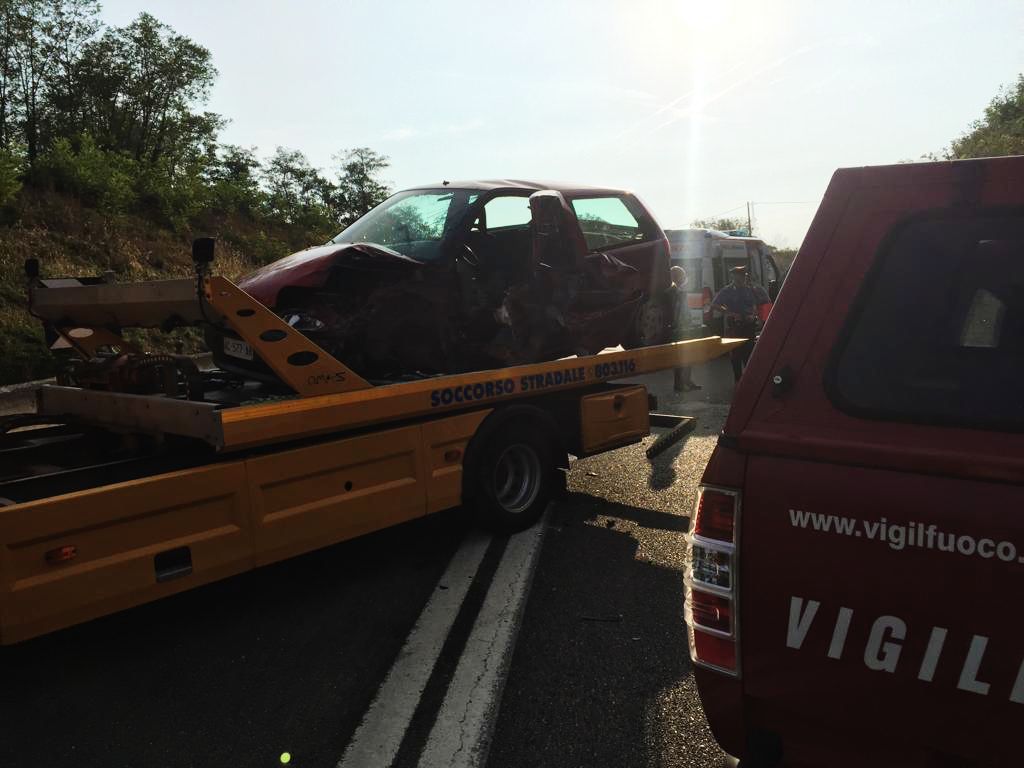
750, 226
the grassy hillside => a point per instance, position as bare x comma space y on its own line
70, 239
110, 162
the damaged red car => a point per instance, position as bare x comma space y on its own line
472, 275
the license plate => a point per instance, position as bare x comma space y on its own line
237, 348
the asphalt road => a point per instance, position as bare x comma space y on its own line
601, 674
291, 658
284, 659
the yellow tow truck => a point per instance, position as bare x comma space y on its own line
155, 477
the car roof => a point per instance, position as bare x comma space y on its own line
519, 185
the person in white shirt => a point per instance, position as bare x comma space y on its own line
682, 327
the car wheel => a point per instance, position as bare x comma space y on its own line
512, 475
651, 326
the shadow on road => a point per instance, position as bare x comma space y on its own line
602, 640
284, 658
663, 466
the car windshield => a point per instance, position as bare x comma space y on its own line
413, 223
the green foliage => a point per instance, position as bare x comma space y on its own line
101, 179
233, 177
721, 224
110, 114
24, 355
141, 82
358, 182
10, 173
108, 161
999, 132
784, 258
297, 194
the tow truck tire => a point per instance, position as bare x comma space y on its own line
513, 470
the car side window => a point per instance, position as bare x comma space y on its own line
507, 212
606, 222
938, 332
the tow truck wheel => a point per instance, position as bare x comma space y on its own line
513, 477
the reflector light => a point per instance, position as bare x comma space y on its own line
716, 512
62, 554
711, 611
716, 651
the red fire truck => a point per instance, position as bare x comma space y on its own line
857, 548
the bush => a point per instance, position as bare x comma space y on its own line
171, 198
23, 353
10, 176
100, 178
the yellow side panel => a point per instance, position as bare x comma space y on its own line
444, 445
611, 419
230, 516
311, 497
117, 531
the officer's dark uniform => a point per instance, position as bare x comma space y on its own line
741, 321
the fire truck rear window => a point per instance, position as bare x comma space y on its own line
938, 334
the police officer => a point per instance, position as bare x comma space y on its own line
738, 302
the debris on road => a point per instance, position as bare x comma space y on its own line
614, 619
685, 426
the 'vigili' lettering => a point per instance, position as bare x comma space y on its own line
883, 651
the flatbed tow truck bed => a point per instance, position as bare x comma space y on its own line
109, 499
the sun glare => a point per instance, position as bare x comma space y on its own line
700, 13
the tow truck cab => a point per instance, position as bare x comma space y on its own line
857, 548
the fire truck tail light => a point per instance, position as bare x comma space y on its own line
711, 609
714, 651
716, 514
711, 566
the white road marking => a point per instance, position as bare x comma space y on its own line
378, 737
462, 732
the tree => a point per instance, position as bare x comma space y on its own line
298, 194
10, 171
721, 224
31, 24
70, 26
784, 259
11, 22
141, 84
40, 45
999, 132
234, 177
113, 115
359, 187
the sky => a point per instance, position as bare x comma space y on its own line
697, 106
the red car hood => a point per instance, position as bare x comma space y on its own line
311, 267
